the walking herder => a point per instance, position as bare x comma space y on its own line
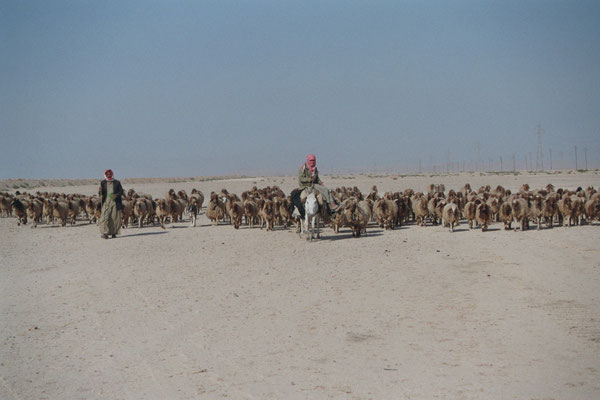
111, 193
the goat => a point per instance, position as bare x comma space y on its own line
34, 211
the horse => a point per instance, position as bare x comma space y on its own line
311, 215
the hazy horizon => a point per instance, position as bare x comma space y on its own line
167, 89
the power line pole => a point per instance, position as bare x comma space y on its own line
550, 159
585, 155
576, 166
514, 160
478, 147
501, 166
539, 158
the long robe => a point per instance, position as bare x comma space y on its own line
110, 218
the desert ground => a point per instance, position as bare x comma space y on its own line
210, 312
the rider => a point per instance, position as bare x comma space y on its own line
308, 175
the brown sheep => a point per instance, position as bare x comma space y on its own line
550, 210
34, 211
5, 206
286, 208
126, 213
520, 211
140, 210
506, 215
565, 207
60, 210
450, 215
163, 210
267, 214
494, 205
235, 209
470, 213
592, 210
215, 211
536, 210
19, 206
73, 210
357, 215
90, 207
419, 204
250, 212
47, 211
483, 215
386, 212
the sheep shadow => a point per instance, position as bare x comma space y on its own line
347, 234
143, 234
46, 226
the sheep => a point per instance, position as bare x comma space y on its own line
403, 210
214, 209
419, 204
60, 210
6, 209
386, 212
163, 210
520, 211
505, 214
550, 209
250, 212
483, 215
565, 207
140, 210
536, 210
578, 209
450, 215
267, 214
176, 208
470, 211
358, 215
34, 211
286, 208
592, 209
73, 206
494, 205
126, 213
338, 219
431, 205
90, 207
47, 211
235, 209
19, 206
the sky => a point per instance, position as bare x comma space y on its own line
202, 88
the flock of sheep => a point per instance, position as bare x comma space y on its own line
270, 207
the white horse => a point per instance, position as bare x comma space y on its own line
311, 216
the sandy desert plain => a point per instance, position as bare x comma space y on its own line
211, 312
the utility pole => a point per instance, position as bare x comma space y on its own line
585, 155
514, 160
420, 166
530, 161
478, 148
550, 159
539, 158
501, 166
576, 166
448, 162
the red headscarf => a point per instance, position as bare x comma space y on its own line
311, 161
108, 174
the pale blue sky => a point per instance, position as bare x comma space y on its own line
187, 88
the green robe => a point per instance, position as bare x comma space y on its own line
305, 179
110, 219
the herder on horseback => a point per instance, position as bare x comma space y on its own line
308, 176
